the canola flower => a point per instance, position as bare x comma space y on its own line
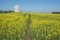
43, 26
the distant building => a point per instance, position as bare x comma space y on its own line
16, 8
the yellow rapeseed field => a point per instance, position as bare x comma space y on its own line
42, 26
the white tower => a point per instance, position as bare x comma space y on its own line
16, 8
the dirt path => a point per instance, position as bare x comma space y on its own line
27, 31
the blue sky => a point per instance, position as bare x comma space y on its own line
31, 5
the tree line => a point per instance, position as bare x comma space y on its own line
5, 11
55, 12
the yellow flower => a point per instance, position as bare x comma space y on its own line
7, 35
37, 35
49, 35
55, 33
46, 37
34, 39
4, 39
42, 34
20, 38
0, 32
59, 30
51, 30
